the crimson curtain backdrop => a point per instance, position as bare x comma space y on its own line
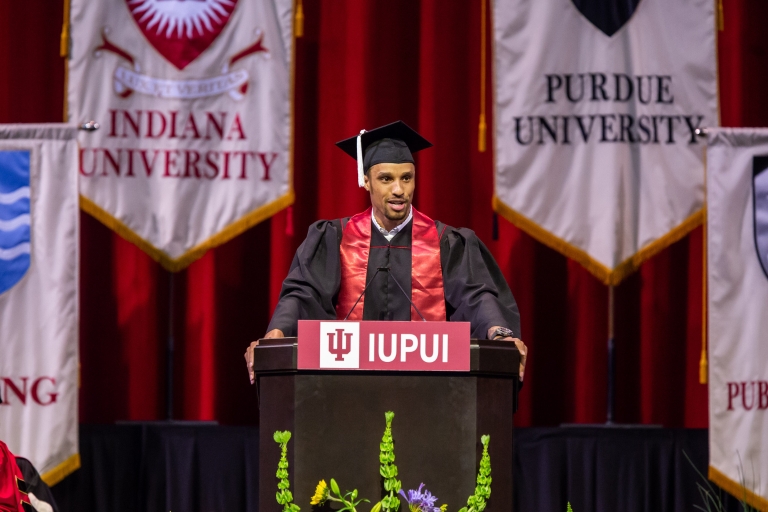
360, 65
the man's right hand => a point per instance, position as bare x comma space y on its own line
274, 333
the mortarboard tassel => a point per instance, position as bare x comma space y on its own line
360, 173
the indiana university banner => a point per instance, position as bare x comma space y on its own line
737, 245
194, 103
597, 104
38, 296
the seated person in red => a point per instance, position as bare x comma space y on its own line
13, 489
446, 272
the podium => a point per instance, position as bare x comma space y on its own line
337, 421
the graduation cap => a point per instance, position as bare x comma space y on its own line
393, 143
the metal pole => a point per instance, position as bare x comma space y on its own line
611, 360
169, 353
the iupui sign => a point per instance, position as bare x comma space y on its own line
194, 103
372, 345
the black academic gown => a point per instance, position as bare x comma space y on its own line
475, 289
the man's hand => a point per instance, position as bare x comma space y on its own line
274, 333
520, 347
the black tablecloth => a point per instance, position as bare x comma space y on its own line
205, 468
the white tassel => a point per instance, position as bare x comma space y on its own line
360, 170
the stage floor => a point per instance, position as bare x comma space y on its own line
158, 467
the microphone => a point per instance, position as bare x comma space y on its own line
384, 269
406, 295
366, 287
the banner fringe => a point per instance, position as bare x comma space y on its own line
610, 277
66, 468
737, 490
177, 264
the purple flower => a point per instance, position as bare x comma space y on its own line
419, 501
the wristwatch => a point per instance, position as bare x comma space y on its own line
502, 332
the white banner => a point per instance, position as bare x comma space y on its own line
194, 103
38, 295
737, 241
597, 103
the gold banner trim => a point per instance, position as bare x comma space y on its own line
737, 490
195, 253
66, 468
608, 276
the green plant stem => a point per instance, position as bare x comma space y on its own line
477, 501
388, 470
344, 502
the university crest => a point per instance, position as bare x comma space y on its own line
607, 15
181, 29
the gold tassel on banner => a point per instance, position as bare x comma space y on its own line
64, 52
64, 43
482, 128
298, 23
720, 18
703, 366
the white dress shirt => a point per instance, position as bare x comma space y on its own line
389, 235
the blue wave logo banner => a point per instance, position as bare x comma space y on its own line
15, 235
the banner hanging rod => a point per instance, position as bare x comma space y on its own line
89, 126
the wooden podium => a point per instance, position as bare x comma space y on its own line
337, 421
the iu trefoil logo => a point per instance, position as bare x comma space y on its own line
340, 343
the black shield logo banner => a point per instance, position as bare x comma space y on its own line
607, 15
760, 207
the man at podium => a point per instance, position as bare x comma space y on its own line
392, 262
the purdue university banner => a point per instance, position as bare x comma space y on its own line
194, 103
597, 102
38, 295
737, 240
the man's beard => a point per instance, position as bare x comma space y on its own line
394, 215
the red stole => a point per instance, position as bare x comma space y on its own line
426, 270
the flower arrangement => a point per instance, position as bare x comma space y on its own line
388, 470
324, 494
284, 496
477, 502
418, 500
422, 501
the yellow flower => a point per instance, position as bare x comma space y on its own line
321, 494
443, 507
